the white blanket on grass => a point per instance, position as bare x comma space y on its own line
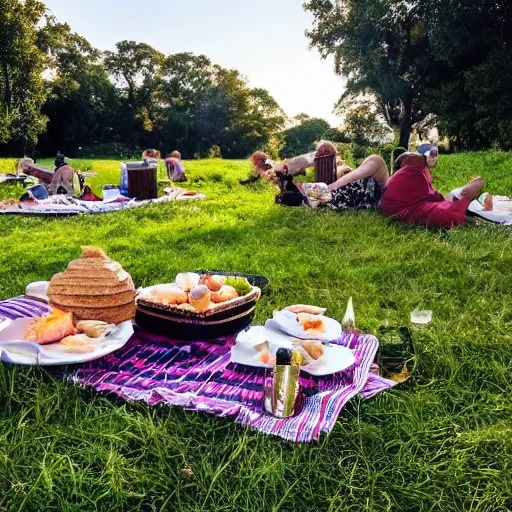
501, 214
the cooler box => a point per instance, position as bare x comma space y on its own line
138, 179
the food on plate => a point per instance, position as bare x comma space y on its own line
50, 328
262, 347
311, 323
79, 344
199, 297
214, 283
240, 284
167, 294
314, 349
94, 287
304, 308
268, 358
187, 280
95, 328
224, 294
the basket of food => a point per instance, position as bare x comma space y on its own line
197, 306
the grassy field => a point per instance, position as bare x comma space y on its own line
440, 442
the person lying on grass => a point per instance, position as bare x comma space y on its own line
360, 188
410, 197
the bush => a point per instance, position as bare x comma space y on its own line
114, 150
214, 152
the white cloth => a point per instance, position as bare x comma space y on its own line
501, 213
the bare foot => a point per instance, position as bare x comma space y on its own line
473, 189
488, 203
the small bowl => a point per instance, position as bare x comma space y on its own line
421, 317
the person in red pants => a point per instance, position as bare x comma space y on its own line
409, 194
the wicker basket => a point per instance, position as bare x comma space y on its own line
325, 169
225, 319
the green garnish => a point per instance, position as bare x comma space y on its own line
240, 284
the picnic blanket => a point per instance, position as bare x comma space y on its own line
66, 205
198, 375
501, 214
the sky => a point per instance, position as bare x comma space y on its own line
264, 40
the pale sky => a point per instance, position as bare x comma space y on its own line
264, 40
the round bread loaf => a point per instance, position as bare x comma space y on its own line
94, 287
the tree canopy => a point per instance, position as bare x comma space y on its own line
424, 57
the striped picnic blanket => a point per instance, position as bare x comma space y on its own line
198, 375
22, 307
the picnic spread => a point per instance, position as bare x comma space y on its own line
68, 205
190, 343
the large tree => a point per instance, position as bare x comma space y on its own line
21, 67
382, 48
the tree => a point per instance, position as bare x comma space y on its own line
301, 139
82, 103
21, 67
382, 48
363, 125
472, 42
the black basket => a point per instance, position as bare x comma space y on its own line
224, 320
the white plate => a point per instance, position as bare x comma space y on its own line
337, 358
286, 322
13, 349
4, 322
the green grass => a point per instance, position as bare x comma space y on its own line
440, 442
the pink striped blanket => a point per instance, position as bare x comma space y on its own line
198, 375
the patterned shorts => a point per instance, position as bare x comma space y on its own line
359, 195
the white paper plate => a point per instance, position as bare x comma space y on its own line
286, 322
14, 350
337, 358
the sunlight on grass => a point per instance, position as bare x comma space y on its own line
440, 442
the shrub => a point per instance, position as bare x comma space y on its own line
214, 152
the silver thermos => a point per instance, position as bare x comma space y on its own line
281, 389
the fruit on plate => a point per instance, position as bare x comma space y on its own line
224, 294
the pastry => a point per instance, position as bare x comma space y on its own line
311, 323
167, 294
94, 287
187, 280
304, 308
314, 349
94, 328
79, 344
199, 297
50, 328
224, 294
214, 283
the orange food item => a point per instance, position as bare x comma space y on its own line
51, 328
199, 297
268, 358
214, 283
311, 323
224, 294
166, 294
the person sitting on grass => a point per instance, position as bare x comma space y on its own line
175, 168
360, 188
65, 180
410, 197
